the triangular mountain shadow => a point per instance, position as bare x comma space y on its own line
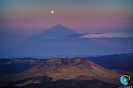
45, 43
57, 41
56, 32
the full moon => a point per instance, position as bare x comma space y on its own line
52, 11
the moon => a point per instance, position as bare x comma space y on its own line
52, 11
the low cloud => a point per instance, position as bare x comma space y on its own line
107, 35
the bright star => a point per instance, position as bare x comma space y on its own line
52, 11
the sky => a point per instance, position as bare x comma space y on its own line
80, 15
21, 19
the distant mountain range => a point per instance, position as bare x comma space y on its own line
17, 65
24, 61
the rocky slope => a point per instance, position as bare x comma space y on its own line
77, 69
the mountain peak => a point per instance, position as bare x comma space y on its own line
65, 61
77, 69
57, 31
59, 25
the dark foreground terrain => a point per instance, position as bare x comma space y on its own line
46, 82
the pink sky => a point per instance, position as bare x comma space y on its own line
79, 17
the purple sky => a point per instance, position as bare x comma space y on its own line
82, 16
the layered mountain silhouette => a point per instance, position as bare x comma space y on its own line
77, 69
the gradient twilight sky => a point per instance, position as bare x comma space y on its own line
22, 19
79, 15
